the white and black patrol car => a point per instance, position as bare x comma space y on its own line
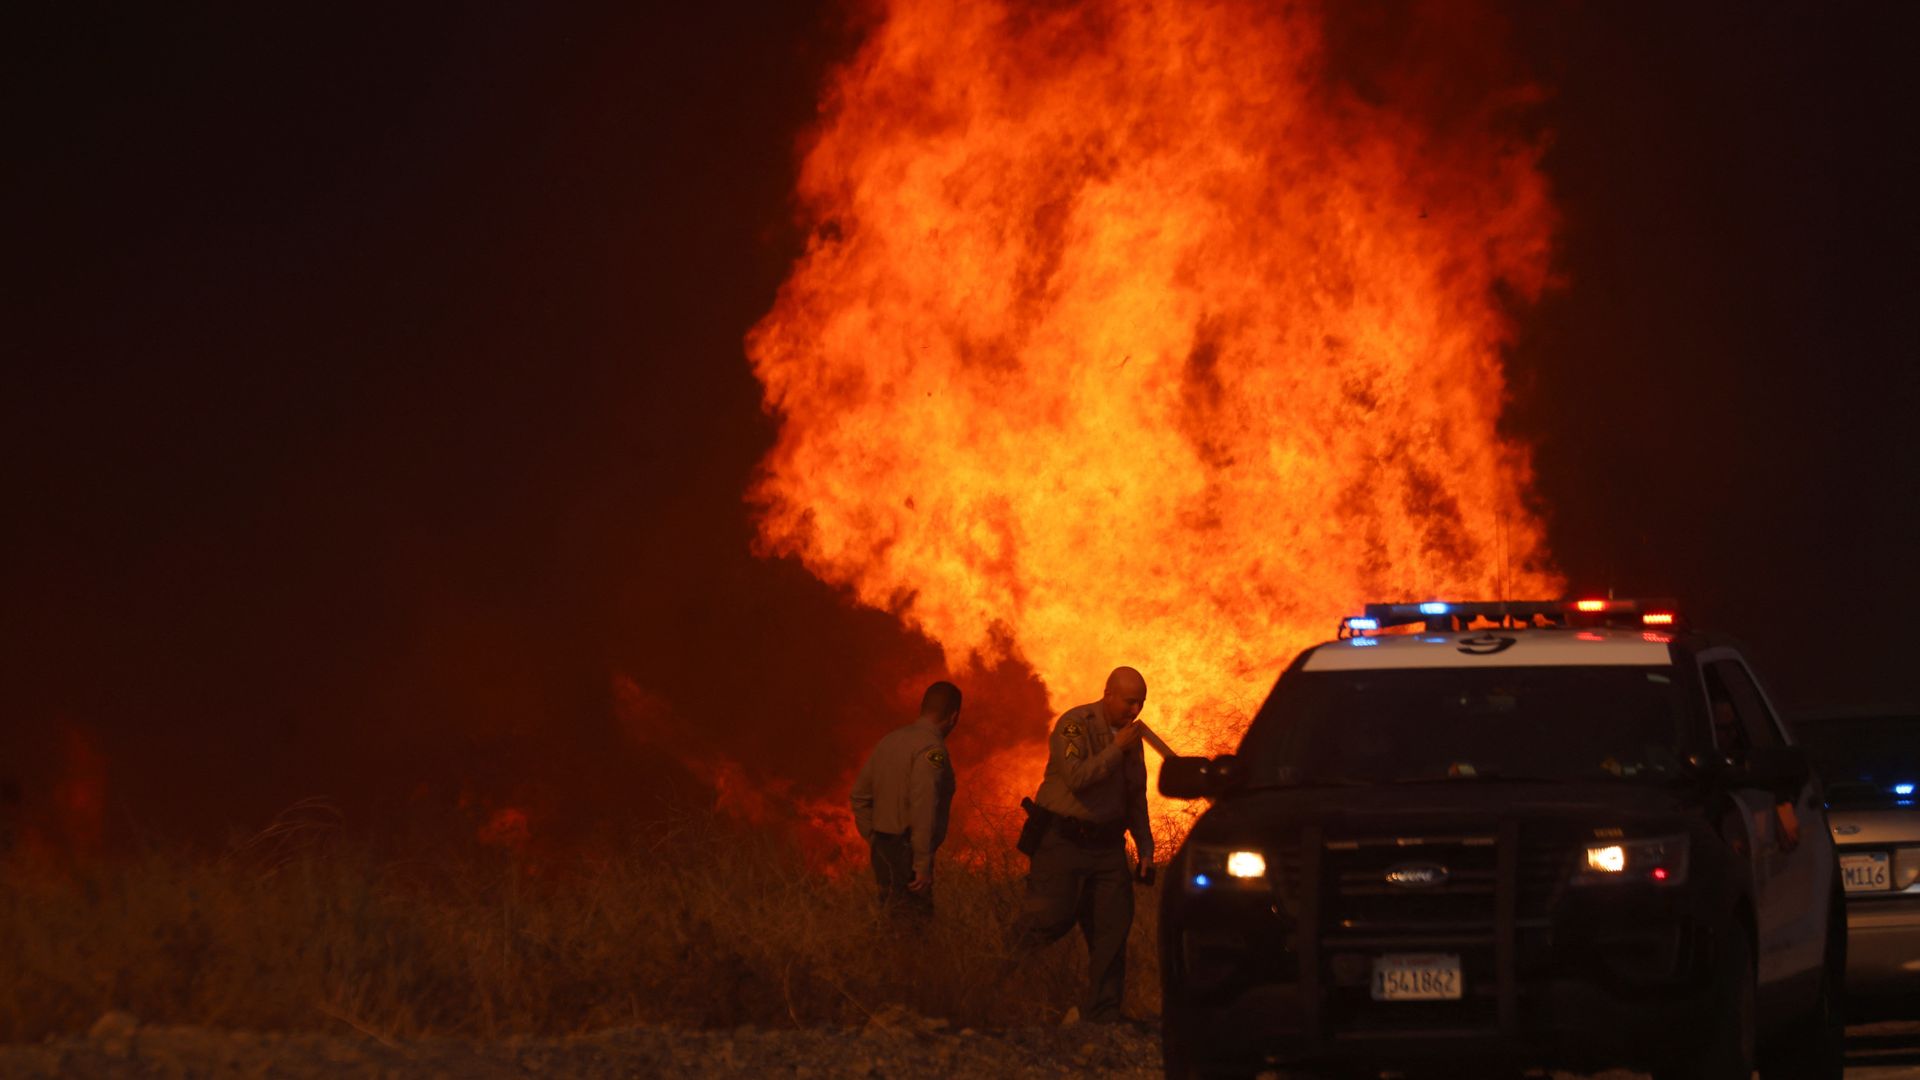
1496, 836
1869, 760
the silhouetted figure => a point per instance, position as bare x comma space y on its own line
901, 801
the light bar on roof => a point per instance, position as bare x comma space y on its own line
1441, 616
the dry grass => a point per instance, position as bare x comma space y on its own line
715, 929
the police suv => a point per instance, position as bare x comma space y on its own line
1493, 836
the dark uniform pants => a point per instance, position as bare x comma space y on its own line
893, 871
1089, 886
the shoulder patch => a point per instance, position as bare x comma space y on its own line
937, 756
1072, 729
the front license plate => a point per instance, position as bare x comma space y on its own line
1416, 977
1869, 872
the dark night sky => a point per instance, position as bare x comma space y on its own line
375, 385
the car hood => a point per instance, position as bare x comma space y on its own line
1874, 825
1428, 809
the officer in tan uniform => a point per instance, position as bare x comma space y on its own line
901, 800
1095, 790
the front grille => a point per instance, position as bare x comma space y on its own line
1289, 875
1494, 904
1545, 867
1364, 905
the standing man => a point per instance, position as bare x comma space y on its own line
1095, 788
901, 800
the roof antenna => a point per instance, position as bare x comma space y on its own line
1506, 560
1506, 570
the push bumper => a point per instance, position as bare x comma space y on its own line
1563, 1023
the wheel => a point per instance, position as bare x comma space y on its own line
1180, 1065
1814, 1046
1725, 1050
1181, 1070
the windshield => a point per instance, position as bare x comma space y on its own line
1414, 725
1862, 760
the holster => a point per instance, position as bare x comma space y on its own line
1038, 819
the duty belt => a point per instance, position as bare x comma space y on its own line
1102, 834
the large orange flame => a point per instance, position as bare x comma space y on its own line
1125, 335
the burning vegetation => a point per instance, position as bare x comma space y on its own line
1125, 334
1132, 333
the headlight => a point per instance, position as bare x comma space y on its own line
1211, 868
1906, 868
1662, 861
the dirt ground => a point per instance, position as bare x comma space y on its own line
896, 1043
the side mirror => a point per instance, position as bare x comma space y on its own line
1198, 777
1778, 766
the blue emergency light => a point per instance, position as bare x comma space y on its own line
1451, 616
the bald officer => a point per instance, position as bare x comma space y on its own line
901, 799
1096, 788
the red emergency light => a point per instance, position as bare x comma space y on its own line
1443, 616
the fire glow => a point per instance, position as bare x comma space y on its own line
1125, 334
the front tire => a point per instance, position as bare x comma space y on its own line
1180, 1069
1726, 1049
1814, 1047
1179, 1063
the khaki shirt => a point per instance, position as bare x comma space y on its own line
1090, 778
907, 787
